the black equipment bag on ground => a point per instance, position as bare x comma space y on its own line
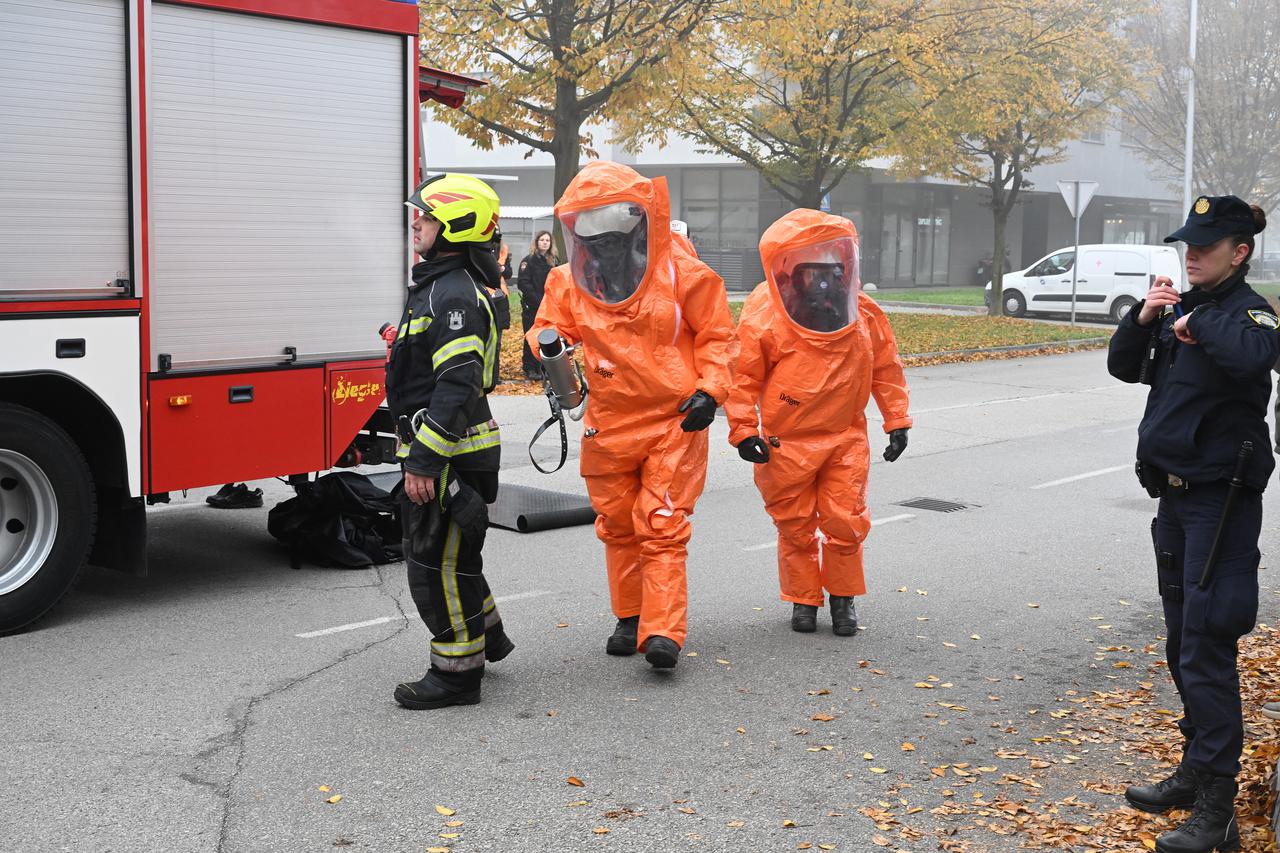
342, 519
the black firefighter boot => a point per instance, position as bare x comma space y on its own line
623, 641
804, 618
1176, 792
844, 619
661, 652
440, 690
1212, 825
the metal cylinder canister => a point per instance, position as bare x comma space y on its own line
557, 363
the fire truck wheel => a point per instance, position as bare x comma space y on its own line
47, 514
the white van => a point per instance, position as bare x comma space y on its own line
1112, 278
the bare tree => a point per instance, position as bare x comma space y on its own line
1237, 149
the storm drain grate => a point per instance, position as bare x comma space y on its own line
935, 505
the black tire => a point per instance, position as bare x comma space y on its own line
1015, 304
32, 446
1122, 306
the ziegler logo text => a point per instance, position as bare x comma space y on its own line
345, 391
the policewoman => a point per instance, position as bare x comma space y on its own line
1204, 450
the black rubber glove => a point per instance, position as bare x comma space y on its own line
897, 444
702, 411
754, 449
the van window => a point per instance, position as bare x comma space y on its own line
1055, 264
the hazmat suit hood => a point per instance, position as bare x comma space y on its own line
811, 264
617, 231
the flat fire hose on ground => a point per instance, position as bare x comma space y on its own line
522, 509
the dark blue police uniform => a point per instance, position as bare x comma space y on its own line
1206, 399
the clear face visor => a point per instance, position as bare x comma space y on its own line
819, 284
608, 249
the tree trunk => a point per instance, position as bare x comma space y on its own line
999, 219
566, 149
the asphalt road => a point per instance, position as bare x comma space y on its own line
201, 708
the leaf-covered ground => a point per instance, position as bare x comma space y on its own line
922, 339
1056, 780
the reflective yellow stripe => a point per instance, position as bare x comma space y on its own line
449, 580
404, 329
489, 604
477, 442
419, 325
455, 650
490, 350
457, 347
434, 441
483, 437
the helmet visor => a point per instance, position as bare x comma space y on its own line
608, 249
819, 284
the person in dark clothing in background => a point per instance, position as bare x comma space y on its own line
532, 282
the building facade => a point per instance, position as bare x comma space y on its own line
918, 233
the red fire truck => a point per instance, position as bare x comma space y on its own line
202, 229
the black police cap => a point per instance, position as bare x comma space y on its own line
1212, 218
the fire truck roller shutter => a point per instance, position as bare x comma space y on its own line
64, 186
278, 170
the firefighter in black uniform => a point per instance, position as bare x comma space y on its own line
1207, 355
442, 364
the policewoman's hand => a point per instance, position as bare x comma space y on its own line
1161, 295
1181, 331
418, 488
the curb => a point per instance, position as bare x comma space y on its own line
1072, 344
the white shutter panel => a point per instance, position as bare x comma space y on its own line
64, 180
277, 168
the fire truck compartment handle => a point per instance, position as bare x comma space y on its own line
241, 394
69, 348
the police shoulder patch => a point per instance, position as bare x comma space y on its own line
1264, 318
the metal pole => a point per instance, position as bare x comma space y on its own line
1188, 144
1075, 262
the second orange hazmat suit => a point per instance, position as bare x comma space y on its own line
645, 355
811, 387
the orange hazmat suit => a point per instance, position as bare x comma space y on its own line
654, 327
810, 366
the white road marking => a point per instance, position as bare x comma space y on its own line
773, 543
1085, 476
1000, 400
351, 626
382, 620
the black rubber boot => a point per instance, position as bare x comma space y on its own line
844, 618
235, 496
661, 653
623, 641
497, 646
1212, 825
1176, 792
804, 618
438, 691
